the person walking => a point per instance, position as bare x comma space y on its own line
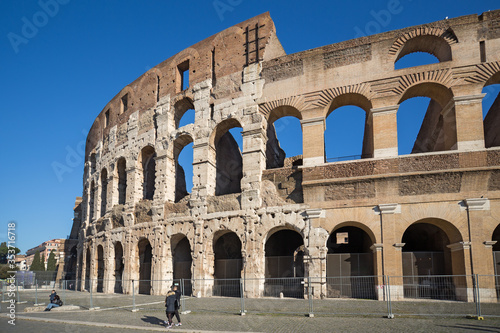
170, 307
177, 304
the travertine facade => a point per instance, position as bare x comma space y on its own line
137, 222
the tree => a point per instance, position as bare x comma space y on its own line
51, 262
35, 265
4, 251
42, 263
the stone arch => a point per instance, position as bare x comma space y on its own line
284, 258
182, 261
104, 190
228, 158
180, 107
228, 263
438, 128
149, 87
119, 266
432, 247
361, 101
180, 176
492, 119
433, 40
144, 261
147, 165
121, 175
350, 263
275, 154
100, 268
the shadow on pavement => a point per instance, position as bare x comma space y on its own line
153, 320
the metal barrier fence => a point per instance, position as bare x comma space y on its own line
388, 296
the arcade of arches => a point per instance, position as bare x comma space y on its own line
260, 212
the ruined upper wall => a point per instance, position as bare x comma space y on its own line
213, 58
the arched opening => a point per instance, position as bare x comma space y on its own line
148, 164
91, 201
496, 258
184, 113
284, 138
228, 264
71, 268
427, 263
80, 272
87, 270
93, 163
119, 266
182, 262
100, 268
416, 59
426, 120
104, 191
284, 272
145, 256
350, 264
183, 156
346, 134
121, 166
227, 141
491, 111
434, 46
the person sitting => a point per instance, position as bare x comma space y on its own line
55, 301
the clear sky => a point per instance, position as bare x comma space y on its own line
63, 60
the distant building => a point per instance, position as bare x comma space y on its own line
45, 248
21, 262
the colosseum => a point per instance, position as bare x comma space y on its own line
255, 214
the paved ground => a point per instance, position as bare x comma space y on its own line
264, 315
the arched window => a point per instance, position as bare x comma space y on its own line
284, 138
91, 201
183, 156
145, 252
122, 181
437, 49
228, 264
346, 136
228, 157
148, 164
100, 268
184, 113
491, 111
426, 119
104, 191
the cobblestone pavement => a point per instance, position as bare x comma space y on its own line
222, 315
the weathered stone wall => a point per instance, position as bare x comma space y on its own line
451, 182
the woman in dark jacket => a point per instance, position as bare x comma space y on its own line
170, 307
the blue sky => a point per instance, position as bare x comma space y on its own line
62, 63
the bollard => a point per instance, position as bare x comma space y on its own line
309, 295
36, 294
390, 315
242, 311
90, 287
133, 297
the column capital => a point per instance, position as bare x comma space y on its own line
377, 247
392, 208
477, 204
489, 244
313, 121
384, 109
459, 246
314, 213
399, 246
467, 99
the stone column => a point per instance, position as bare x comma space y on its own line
158, 283
110, 195
109, 267
316, 250
93, 265
313, 141
384, 126
460, 262
204, 170
254, 161
134, 186
469, 122
377, 249
128, 262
